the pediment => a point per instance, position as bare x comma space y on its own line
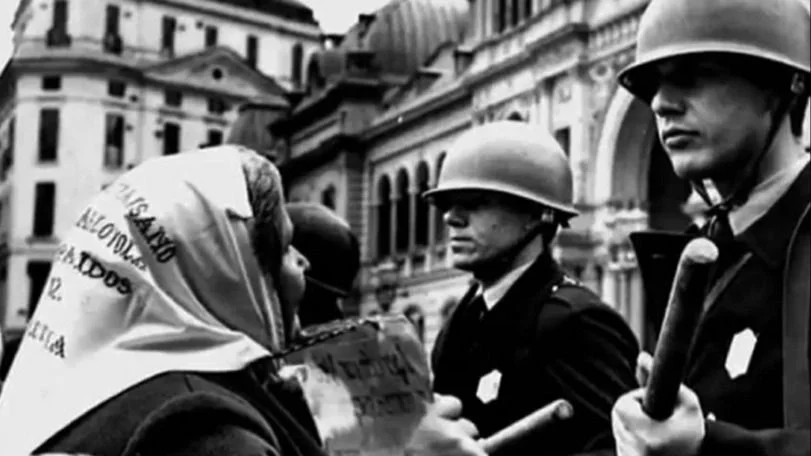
220, 70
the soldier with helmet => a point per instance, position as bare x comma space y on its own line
525, 334
727, 81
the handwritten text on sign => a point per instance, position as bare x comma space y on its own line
367, 389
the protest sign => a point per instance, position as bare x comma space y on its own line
367, 384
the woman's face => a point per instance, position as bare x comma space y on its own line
291, 277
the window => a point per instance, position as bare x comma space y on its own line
500, 15
48, 134
173, 98
112, 40
211, 36
298, 60
60, 17
168, 35
422, 207
51, 83
58, 36
44, 196
515, 15
562, 135
439, 223
171, 138
38, 272
251, 50
116, 89
114, 141
216, 106
214, 137
113, 12
383, 217
403, 207
8, 156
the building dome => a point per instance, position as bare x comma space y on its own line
399, 37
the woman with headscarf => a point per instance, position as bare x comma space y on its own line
156, 331
164, 303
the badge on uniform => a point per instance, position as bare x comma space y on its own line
488, 386
740, 353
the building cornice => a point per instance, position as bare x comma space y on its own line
577, 31
400, 118
89, 64
276, 23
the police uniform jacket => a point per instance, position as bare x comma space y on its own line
547, 338
755, 401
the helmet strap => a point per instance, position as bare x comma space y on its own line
498, 265
741, 192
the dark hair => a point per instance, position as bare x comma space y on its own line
266, 198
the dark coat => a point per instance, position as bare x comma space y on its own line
549, 339
196, 414
764, 411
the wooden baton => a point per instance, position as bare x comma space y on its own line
553, 412
684, 309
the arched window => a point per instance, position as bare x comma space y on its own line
297, 61
423, 224
383, 217
417, 318
328, 197
439, 224
403, 212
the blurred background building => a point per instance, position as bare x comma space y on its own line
359, 121
384, 101
95, 87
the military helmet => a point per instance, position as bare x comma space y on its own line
778, 31
509, 157
328, 243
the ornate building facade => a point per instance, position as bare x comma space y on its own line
94, 88
384, 101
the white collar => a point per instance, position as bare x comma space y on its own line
765, 195
493, 293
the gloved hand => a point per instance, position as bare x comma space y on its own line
637, 434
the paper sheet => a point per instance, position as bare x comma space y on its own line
367, 388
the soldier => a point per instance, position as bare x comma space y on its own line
727, 83
524, 334
334, 255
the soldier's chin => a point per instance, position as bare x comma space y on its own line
463, 262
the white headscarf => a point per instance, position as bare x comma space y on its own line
157, 274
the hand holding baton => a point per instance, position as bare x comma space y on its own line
551, 413
684, 309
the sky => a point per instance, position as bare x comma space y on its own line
334, 17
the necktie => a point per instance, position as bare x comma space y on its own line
477, 309
718, 228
